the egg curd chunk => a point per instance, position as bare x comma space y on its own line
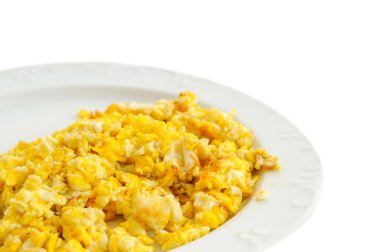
173, 171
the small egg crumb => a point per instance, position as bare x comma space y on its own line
262, 195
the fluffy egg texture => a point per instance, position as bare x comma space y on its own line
172, 170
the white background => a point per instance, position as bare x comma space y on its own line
316, 62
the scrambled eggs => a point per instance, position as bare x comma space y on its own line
173, 170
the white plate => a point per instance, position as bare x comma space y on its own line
35, 101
